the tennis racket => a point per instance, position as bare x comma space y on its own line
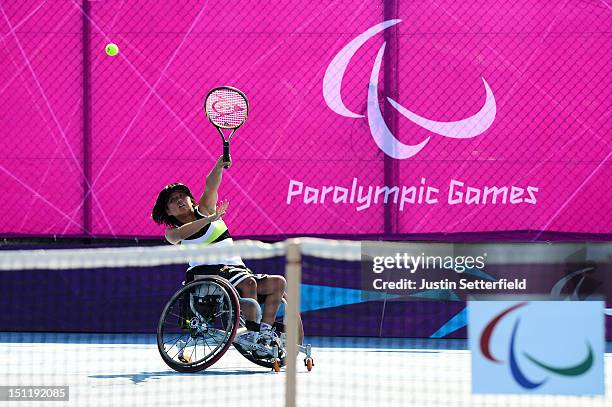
226, 108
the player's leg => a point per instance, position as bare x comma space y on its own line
273, 288
248, 289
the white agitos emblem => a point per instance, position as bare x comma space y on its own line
469, 127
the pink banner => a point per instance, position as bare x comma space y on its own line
366, 118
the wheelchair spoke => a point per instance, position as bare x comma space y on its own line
220, 313
213, 338
206, 344
179, 351
176, 354
174, 339
195, 346
217, 343
181, 320
178, 316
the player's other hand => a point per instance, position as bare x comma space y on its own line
219, 211
222, 164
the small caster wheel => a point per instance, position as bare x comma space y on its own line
309, 363
276, 366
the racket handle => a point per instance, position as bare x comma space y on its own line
226, 154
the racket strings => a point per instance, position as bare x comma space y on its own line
226, 108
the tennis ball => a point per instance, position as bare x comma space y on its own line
112, 49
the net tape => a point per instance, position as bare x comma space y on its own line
252, 249
160, 255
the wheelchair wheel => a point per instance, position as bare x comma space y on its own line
198, 324
280, 338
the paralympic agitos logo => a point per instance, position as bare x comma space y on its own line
518, 374
467, 128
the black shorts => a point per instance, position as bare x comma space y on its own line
234, 274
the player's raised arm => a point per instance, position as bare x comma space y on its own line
208, 200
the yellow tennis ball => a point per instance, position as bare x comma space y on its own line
112, 49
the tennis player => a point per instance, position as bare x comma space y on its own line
201, 223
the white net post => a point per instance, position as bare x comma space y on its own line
294, 276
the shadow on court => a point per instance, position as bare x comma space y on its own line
143, 377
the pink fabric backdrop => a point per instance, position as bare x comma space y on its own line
547, 65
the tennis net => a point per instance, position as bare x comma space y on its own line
119, 325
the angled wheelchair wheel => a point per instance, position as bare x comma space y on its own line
198, 324
280, 340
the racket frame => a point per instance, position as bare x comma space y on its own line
226, 145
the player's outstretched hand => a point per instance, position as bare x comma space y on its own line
219, 211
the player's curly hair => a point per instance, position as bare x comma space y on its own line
159, 214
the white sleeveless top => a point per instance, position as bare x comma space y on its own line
212, 234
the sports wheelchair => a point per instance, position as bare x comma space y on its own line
202, 320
